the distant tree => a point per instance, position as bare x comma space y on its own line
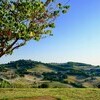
98, 86
23, 20
2, 68
44, 85
77, 85
52, 76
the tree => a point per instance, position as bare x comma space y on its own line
23, 20
44, 85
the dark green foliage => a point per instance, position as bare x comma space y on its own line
21, 72
22, 64
77, 64
59, 76
2, 68
77, 72
77, 85
44, 85
98, 86
4, 84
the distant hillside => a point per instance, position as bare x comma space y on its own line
70, 74
27, 64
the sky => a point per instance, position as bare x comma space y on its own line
76, 37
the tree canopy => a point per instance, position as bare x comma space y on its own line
23, 20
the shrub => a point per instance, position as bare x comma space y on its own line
44, 85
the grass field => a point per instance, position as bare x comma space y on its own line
57, 93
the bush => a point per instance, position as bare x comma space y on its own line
98, 86
5, 84
77, 85
44, 85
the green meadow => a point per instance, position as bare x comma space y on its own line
55, 93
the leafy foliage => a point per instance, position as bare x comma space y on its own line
44, 85
4, 84
22, 20
59, 76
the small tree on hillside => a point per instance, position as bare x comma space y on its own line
23, 20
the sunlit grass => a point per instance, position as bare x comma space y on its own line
62, 93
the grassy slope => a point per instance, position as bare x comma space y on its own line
61, 93
40, 68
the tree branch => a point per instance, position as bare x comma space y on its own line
19, 45
9, 47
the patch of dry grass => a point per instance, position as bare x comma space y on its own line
60, 93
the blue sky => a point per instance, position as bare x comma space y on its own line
76, 37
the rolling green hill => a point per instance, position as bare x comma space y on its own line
28, 73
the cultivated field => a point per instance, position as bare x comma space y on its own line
50, 94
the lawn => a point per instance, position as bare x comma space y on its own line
57, 93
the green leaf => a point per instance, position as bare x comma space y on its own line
56, 12
52, 25
64, 11
67, 7
59, 5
